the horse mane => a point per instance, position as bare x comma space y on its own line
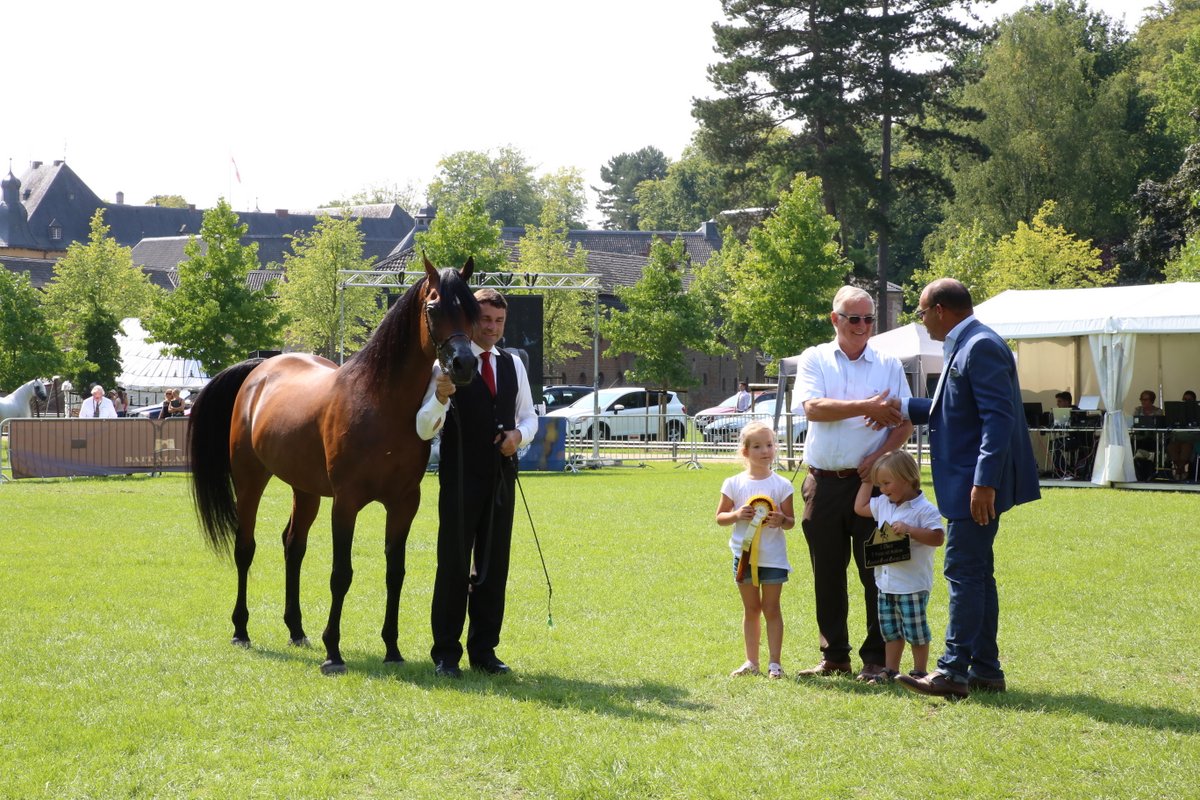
400, 329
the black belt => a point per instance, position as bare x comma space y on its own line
833, 473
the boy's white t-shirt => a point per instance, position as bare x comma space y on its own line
916, 574
773, 542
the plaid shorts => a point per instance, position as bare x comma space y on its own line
902, 616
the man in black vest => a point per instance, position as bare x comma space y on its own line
491, 418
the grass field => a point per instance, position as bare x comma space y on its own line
119, 680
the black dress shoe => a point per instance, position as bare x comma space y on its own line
492, 666
445, 669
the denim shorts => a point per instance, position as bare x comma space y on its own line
902, 616
765, 574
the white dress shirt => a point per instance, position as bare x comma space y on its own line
87, 409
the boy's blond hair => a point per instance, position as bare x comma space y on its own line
901, 465
748, 430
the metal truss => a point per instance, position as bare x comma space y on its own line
535, 281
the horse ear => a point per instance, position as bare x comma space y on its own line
468, 268
431, 273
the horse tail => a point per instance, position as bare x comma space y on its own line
211, 420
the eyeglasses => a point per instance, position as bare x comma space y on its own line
921, 312
855, 319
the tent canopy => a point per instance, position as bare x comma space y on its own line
145, 368
1051, 313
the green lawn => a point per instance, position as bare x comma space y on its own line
119, 680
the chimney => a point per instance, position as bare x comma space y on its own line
282, 213
59, 162
34, 164
120, 198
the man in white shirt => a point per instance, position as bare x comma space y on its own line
743, 397
842, 387
495, 416
97, 406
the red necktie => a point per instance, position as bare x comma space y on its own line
489, 377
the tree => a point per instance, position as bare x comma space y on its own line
323, 315
660, 321
27, 349
966, 256
505, 184
1045, 256
94, 282
99, 358
168, 201
464, 233
1179, 93
713, 287
1057, 100
381, 194
1167, 216
1185, 266
622, 174
565, 315
791, 270
690, 193
213, 316
564, 191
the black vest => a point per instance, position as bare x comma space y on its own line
481, 417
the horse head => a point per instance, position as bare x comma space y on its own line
39, 391
451, 311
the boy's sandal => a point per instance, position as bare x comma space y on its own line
775, 670
885, 677
749, 668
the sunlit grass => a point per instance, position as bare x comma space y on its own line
119, 680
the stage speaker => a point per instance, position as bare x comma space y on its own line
523, 330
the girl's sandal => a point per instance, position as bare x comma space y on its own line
749, 668
775, 670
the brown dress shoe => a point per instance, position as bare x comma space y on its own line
826, 668
935, 684
870, 672
986, 684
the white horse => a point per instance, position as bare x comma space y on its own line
19, 403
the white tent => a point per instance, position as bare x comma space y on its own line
920, 355
146, 369
1103, 341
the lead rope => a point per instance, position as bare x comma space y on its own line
549, 588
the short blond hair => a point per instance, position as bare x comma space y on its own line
848, 294
901, 465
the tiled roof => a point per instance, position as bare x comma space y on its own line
40, 270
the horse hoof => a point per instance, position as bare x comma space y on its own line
238, 641
330, 668
393, 658
301, 642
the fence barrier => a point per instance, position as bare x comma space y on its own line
64, 447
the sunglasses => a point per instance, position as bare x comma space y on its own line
855, 319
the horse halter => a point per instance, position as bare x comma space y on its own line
445, 352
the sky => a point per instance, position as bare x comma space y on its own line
314, 102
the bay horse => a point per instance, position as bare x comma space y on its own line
20, 402
348, 433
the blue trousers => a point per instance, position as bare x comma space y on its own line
971, 648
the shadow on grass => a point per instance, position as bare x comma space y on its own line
648, 700
1098, 708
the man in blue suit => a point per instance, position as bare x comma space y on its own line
983, 465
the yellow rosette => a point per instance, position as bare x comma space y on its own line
762, 506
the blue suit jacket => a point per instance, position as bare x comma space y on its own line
977, 430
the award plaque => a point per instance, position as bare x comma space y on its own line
886, 547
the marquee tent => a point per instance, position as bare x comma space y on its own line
1103, 341
144, 368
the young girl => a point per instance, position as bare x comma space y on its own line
904, 586
758, 453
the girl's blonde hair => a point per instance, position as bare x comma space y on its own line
901, 465
748, 430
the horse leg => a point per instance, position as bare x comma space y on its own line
249, 484
399, 521
295, 544
342, 574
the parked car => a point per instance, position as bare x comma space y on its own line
728, 427
146, 412
626, 412
729, 406
561, 396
